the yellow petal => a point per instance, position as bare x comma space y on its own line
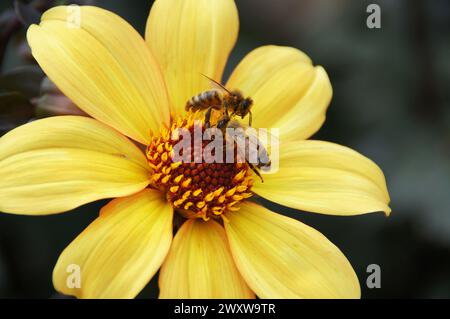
200, 265
280, 257
69, 132
326, 178
120, 251
104, 66
289, 93
191, 37
57, 164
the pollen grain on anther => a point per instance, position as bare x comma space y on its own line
202, 190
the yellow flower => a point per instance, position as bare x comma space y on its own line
131, 87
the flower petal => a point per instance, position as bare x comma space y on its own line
326, 178
280, 257
121, 250
289, 93
190, 38
104, 66
200, 265
59, 163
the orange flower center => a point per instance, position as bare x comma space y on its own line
195, 188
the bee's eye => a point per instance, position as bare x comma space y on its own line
246, 103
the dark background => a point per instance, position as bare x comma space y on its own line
391, 103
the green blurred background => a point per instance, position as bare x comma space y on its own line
391, 103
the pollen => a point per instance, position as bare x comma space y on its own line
197, 189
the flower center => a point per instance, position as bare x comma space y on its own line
197, 189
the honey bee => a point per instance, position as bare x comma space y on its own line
256, 154
231, 103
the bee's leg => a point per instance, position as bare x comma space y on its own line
250, 118
225, 119
225, 107
208, 118
255, 170
223, 122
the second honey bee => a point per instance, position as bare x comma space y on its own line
231, 103
250, 147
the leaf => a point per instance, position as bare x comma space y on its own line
55, 104
6, 18
26, 13
15, 109
25, 80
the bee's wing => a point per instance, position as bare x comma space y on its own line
263, 135
234, 124
216, 85
235, 131
257, 142
259, 145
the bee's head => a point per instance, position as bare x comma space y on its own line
246, 105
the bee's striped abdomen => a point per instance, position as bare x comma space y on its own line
205, 100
